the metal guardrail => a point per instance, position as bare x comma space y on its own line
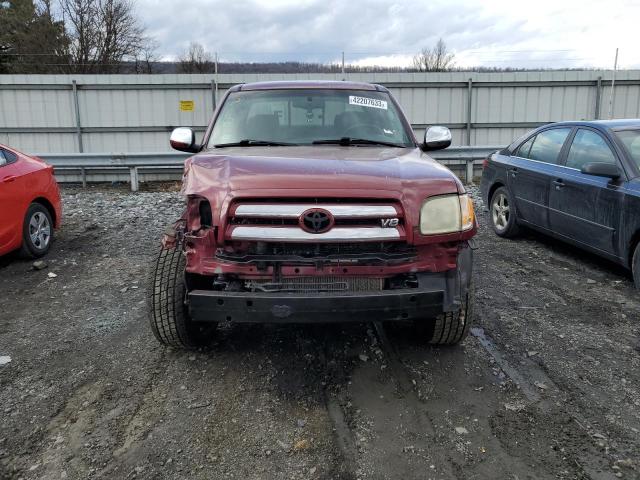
467, 156
85, 167
111, 165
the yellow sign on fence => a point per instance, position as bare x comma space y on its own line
186, 105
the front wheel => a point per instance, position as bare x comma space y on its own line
449, 328
37, 231
503, 213
452, 327
169, 314
635, 266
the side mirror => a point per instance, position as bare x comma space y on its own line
436, 138
601, 169
184, 139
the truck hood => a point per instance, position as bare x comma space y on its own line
328, 171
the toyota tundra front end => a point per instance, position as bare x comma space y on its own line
313, 202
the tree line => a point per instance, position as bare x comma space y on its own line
198, 60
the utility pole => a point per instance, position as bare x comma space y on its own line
216, 75
343, 79
613, 83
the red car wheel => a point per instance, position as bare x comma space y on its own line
37, 231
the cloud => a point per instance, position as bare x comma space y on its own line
495, 33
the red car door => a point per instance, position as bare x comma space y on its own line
11, 201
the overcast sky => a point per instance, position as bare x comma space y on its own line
540, 33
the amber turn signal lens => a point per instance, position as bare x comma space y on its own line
468, 214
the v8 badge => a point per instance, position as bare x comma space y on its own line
389, 222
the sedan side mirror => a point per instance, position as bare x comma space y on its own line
602, 169
184, 140
436, 137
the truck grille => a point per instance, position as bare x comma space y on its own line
317, 284
288, 221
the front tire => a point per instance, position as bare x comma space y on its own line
451, 328
448, 328
37, 232
502, 212
635, 266
169, 313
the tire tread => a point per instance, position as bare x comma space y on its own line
169, 316
635, 266
451, 328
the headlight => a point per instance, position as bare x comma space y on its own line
446, 214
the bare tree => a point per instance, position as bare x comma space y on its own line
436, 59
81, 19
195, 60
148, 59
103, 35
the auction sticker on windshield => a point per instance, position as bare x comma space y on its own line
367, 102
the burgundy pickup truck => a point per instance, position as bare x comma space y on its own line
314, 202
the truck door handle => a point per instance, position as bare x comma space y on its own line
514, 172
8, 179
558, 183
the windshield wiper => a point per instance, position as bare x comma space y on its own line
346, 141
247, 142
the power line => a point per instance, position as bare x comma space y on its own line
520, 51
548, 59
29, 54
302, 53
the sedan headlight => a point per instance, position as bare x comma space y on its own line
446, 214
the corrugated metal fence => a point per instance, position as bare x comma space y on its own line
134, 113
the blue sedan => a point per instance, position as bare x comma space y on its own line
576, 181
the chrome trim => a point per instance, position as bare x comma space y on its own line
295, 234
295, 210
544, 163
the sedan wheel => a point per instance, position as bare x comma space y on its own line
40, 230
503, 215
37, 232
500, 211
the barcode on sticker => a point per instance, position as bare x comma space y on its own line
367, 102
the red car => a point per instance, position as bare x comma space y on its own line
30, 205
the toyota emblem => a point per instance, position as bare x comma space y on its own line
316, 220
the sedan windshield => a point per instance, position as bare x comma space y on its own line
306, 117
631, 141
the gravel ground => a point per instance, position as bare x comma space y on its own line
546, 387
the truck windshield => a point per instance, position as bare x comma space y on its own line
631, 140
305, 117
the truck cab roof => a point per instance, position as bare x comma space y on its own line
308, 84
